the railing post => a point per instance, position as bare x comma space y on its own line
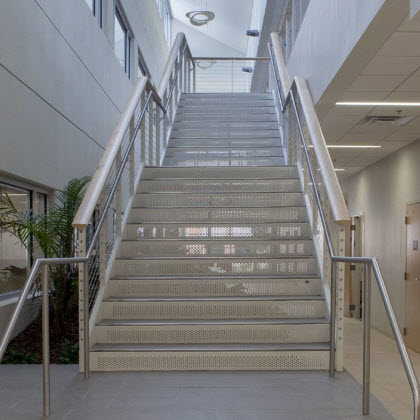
333, 303
132, 159
164, 126
340, 282
151, 133
194, 75
46, 340
158, 137
86, 350
83, 273
143, 131
366, 337
102, 242
186, 72
118, 206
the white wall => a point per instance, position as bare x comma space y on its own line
382, 192
202, 45
257, 18
62, 88
334, 33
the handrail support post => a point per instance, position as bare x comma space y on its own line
45, 341
366, 336
333, 311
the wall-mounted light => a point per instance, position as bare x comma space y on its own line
247, 69
253, 32
200, 17
378, 103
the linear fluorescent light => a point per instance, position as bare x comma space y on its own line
350, 146
339, 169
378, 103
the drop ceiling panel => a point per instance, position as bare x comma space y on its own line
402, 44
364, 96
376, 83
392, 66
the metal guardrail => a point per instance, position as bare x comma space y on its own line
165, 105
369, 262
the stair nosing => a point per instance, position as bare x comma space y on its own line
209, 347
301, 239
245, 278
221, 322
218, 192
216, 223
206, 206
190, 258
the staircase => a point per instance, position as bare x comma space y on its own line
216, 270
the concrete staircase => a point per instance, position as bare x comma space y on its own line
217, 268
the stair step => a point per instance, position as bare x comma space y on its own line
218, 248
212, 298
220, 231
214, 309
188, 186
201, 286
242, 96
220, 142
248, 103
206, 322
216, 267
225, 133
226, 125
229, 214
215, 118
218, 200
239, 331
210, 347
223, 162
223, 152
212, 173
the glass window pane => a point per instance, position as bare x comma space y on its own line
13, 256
120, 36
40, 203
91, 4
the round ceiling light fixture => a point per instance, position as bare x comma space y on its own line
205, 64
200, 17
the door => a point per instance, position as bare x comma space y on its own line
412, 289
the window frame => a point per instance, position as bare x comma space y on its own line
97, 10
119, 15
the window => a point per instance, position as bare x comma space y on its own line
96, 7
141, 66
167, 23
122, 41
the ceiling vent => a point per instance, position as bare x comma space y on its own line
384, 119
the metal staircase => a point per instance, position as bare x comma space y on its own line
216, 269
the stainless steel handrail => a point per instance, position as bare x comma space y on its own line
370, 263
46, 262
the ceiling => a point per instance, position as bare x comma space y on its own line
229, 25
392, 75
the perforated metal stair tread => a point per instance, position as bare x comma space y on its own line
177, 322
213, 299
196, 240
216, 258
248, 278
208, 347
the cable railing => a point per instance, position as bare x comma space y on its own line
305, 147
229, 74
139, 138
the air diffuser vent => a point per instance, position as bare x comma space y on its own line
384, 119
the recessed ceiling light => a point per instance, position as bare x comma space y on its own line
339, 169
200, 17
378, 103
351, 146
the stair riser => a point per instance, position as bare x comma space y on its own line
277, 173
247, 231
201, 152
216, 133
219, 118
220, 186
189, 361
237, 103
214, 287
212, 334
193, 249
226, 125
185, 215
214, 310
232, 143
224, 162
219, 200
215, 267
